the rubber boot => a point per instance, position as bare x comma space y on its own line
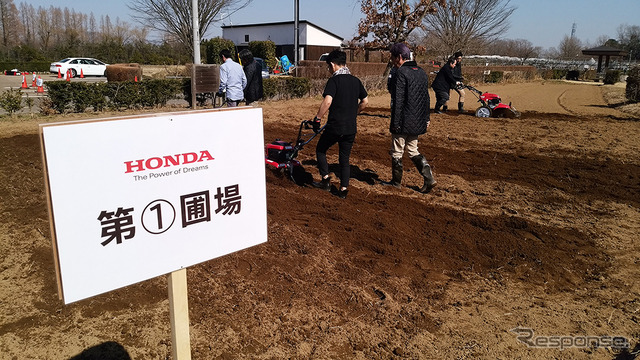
396, 173
461, 107
324, 184
425, 170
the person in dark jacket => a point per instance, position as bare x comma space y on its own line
442, 85
409, 88
344, 97
457, 75
253, 71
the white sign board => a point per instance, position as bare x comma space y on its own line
135, 198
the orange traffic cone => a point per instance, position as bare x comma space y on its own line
39, 84
135, 79
81, 74
24, 82
33, 80
68, 75
59, 74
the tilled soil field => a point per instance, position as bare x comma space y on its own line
526, 249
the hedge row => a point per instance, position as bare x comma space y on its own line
286, 87
79, 96
32, 66
64, 96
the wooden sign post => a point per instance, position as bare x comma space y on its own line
179, 313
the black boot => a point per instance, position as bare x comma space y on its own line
425, 170
436, 109
324, 184
461, 107
445, 108
396, 173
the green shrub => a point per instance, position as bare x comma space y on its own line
270, 87
297, 87
553, 74
66, 96
495, 76
573, 75
286, 87
11, 100
632, 90
611, 77
265, 50
157, 92
59, 92
123, 95
212, 48
79, 99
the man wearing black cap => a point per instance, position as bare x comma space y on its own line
457, 74
409, 88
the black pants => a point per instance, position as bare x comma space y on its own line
441, 98
345, 143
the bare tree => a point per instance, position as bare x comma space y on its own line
569, 48
391, 21
28, 16
467, 24
520, 48
9, 22
174, 17
44, 27
629, 39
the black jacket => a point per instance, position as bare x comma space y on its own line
457, 72
409, 87
444, 81
253, 91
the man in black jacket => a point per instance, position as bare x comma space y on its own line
442, 85
457, 75
253, 71
409, 88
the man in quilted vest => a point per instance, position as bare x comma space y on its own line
409, 88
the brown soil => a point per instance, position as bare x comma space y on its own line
534, 224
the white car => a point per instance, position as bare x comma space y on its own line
78, 66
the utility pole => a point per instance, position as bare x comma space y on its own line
296, 35
196, 32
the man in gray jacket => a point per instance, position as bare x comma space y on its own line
409, 88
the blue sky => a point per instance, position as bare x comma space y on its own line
543, 22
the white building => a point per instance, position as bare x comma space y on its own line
313, 40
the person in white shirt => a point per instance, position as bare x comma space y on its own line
232, 79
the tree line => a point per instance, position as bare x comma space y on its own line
434, 27
441, 27
31, 34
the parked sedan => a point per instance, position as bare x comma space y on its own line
84, 66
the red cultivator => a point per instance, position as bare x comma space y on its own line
281, 155
492, 105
